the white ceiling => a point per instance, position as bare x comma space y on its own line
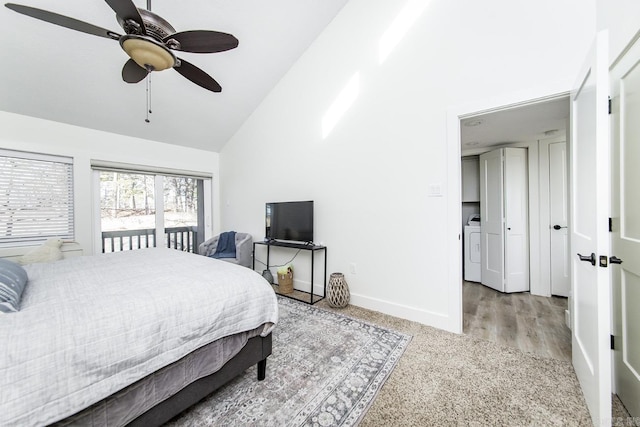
59, 74
532, 122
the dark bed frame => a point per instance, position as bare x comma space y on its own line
254, 352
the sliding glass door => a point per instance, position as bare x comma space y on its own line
143, 209
182, 212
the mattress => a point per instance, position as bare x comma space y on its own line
90, 326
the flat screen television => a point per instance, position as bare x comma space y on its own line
290, 221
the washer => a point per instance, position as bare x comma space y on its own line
472, 252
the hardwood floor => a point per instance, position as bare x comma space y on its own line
530, 323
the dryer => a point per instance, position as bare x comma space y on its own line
472, 252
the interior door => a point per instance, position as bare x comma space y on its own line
516, 214
492, 219
625, 86
590, 189
558, 218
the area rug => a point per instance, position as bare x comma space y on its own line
325, 370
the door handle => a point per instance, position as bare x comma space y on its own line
615, 260
558, 227
590, 258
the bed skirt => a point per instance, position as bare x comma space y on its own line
166, 393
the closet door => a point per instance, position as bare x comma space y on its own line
470, 184
492, 219
516, 212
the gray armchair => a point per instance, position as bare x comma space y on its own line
244, 247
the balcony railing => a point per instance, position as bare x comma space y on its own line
180, 238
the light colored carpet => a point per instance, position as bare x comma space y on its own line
325, 370
444, 379
620, 416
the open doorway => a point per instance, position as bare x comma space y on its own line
530, 314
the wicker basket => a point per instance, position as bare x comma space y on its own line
338, 291
285, 282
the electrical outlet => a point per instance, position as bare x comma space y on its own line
352, 268
434, 190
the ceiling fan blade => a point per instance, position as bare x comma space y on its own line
132, 72
203, 41
125, 10
198, 76
63, 21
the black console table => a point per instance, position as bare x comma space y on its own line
300, 246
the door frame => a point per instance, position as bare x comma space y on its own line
545, 218
454, 178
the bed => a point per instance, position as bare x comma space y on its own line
130, 338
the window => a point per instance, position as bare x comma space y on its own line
140, 208
127, 201
36, 198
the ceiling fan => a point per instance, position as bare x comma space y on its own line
149, 40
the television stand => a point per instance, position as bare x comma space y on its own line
296, 294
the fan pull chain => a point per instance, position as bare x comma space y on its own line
148, 78
148, 96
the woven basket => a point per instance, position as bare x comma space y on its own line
285, 282
338, 291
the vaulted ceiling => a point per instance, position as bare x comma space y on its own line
71, 77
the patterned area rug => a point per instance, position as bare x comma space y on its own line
325, 370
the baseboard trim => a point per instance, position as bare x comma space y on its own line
430, 318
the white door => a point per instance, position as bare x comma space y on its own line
558, 219
491, 219
625, 86
589, 191
516, 214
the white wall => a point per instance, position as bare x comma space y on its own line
620, 17
369, 177
42, 136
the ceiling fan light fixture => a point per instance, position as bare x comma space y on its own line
149, 41
147, 52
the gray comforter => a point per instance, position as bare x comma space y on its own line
89, 326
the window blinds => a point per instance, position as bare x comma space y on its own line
36, 197
107, 166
